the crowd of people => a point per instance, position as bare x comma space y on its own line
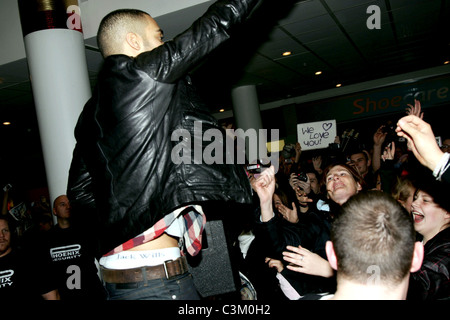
333, 226
301, 220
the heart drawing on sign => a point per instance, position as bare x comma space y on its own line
327, 126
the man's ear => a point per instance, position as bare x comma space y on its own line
331, 255
447, 217
133, 41
358, 186
417, 256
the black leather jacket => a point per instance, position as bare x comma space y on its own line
432, 281
122, 163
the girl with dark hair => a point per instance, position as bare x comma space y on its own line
430, 210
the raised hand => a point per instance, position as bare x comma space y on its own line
421, 140
415, 110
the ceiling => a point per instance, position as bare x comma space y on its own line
330, 36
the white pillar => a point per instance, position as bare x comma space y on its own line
248, 118
246, 107
60, 83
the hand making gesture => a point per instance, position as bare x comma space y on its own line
264, 186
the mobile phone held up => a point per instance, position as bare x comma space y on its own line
257, 168
302, 176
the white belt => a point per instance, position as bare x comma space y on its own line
136, 259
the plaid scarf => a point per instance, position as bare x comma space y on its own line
194, 222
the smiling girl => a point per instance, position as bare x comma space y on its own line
430, 211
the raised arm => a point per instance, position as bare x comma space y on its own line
264, 186
421, 140
172, 60
378, 140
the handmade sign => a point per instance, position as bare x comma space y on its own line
316, 135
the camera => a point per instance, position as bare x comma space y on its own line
389, 128
254, 168
257, 168
302, 176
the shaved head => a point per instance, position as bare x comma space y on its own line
116, 25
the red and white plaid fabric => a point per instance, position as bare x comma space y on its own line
194, 220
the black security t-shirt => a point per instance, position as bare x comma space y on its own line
22, 279
73, 263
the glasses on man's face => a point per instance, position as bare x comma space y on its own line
445, 147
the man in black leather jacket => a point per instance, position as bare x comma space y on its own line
122, 173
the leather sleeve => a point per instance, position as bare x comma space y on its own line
79, 189
175, 58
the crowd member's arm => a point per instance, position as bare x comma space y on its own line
380, 135
387, 170
269, 229
298, 152
285, 285
305, 261
264, 186
378, 140
423, 144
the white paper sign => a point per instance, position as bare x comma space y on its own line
316, 135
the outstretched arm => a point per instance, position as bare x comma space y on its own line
175, 58
421, 140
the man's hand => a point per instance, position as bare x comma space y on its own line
415, 110
421, 140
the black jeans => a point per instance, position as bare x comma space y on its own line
177, 288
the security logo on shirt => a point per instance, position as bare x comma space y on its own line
66, 252
6, 278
